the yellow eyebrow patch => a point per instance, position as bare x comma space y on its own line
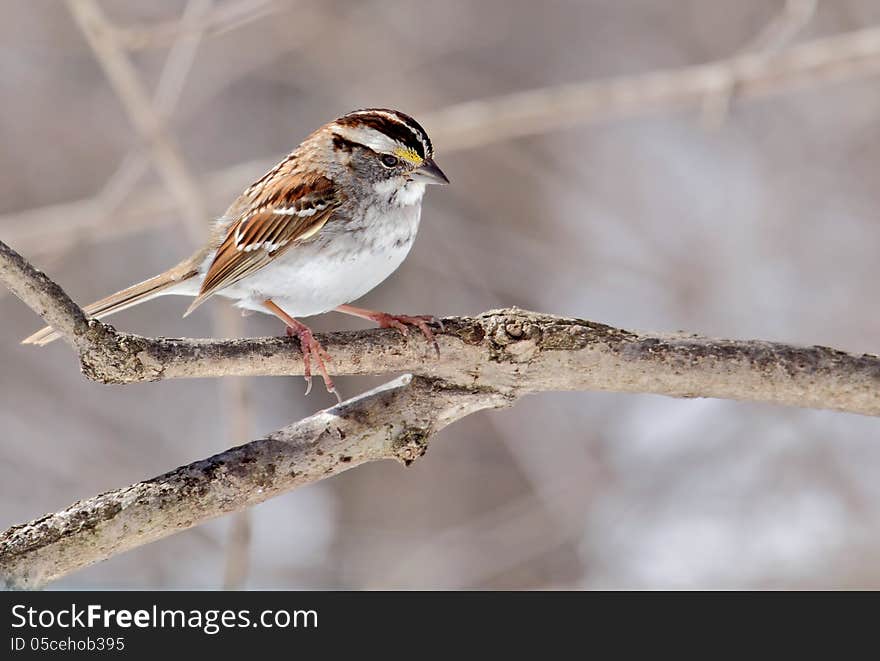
409, 155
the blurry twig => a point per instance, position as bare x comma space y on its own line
149, 118
180, 59
52, 229
521, 522
137, 103
229, 16
236, 405
477, 123
238, 546
777, 34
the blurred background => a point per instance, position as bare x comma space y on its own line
721, 215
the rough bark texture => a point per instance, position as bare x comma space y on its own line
515, 351
393, 421
486, 361
43, 296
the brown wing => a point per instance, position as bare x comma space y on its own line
270, 222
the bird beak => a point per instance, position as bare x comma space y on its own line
429, 173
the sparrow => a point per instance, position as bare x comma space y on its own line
319, 230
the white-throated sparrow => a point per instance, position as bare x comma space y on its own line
320, 229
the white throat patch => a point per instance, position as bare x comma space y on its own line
408, 194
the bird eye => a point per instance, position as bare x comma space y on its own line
390, 161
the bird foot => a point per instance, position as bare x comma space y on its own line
402, 322
312, 350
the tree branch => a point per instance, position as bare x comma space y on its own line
393, 421
123, 77
44, 297
509, 351
486, 361
847, 56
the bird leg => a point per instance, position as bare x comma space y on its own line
398, 321
311, 348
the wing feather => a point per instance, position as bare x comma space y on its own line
275, 218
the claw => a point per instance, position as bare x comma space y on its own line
311, 348
400, 321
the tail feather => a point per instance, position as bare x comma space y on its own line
122, 300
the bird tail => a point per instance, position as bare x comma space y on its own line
122, 300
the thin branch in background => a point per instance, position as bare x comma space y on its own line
517, 522
782, 30
178, 64
181, 57
832, 59
549, 515
151, 121
776, 35
54, 228
236, 405
136, 101
225, 18
238, 551
472, 124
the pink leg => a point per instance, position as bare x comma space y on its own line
311, 348
398, 321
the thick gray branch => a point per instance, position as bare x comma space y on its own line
509, 351
393, 421
486, 361
517, 351
43, 296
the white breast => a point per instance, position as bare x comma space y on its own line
318, 276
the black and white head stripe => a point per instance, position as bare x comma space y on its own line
384, 130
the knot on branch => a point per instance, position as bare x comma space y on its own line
515, 335
112, 357
410, 444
